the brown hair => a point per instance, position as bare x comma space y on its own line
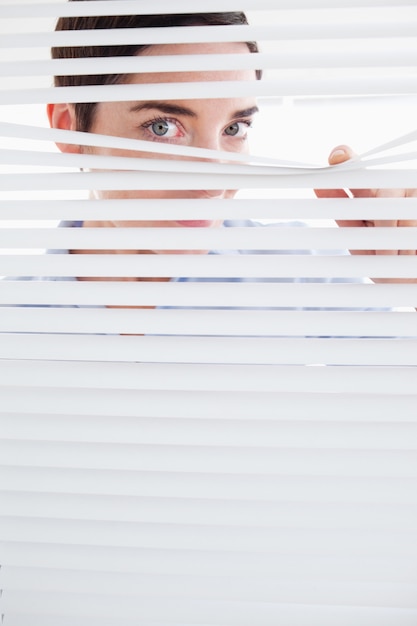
84, 112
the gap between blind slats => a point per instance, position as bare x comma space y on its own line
23, 131
219, 266
126, 7
325, 179
206, 322
238, 208
390, 83
268, 491
401, 55
199, 34
235, 238
251, 350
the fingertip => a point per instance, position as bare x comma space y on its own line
339, 154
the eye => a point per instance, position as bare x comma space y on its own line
162, 127
237, 129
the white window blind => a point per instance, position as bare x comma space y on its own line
236, 445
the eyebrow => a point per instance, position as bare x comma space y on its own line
176, 109
165, 107
246, 112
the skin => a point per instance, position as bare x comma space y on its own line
210, 123
343, 153
194, 123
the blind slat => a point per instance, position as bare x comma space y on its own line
204, 322
222, 459
279, 433
159, 487
226, 266
213, 377
199, 34
299, 542
210, 405
389, 84
155, 562
239, 208
48, 580
236, 613
112, 163
229, 477
252, 295
209, 350
18, 619
328, 178
200, 238
361, 57
126, 7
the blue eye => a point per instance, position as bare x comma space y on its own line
237, 129
160, 127
163, 128
232, 130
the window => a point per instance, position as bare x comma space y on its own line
232, 438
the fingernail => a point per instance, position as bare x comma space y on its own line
338, 153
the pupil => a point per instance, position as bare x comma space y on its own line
160, 128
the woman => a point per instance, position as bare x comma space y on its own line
215, 124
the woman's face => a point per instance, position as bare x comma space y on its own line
212, 123
216, 124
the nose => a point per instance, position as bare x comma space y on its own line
207, 138
209, 141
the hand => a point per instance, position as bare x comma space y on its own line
343, 153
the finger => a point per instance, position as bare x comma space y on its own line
338, 155
343, 153
331, 193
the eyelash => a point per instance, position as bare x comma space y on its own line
156, 120
147, 125
247, 123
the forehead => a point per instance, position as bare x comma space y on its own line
193, 76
